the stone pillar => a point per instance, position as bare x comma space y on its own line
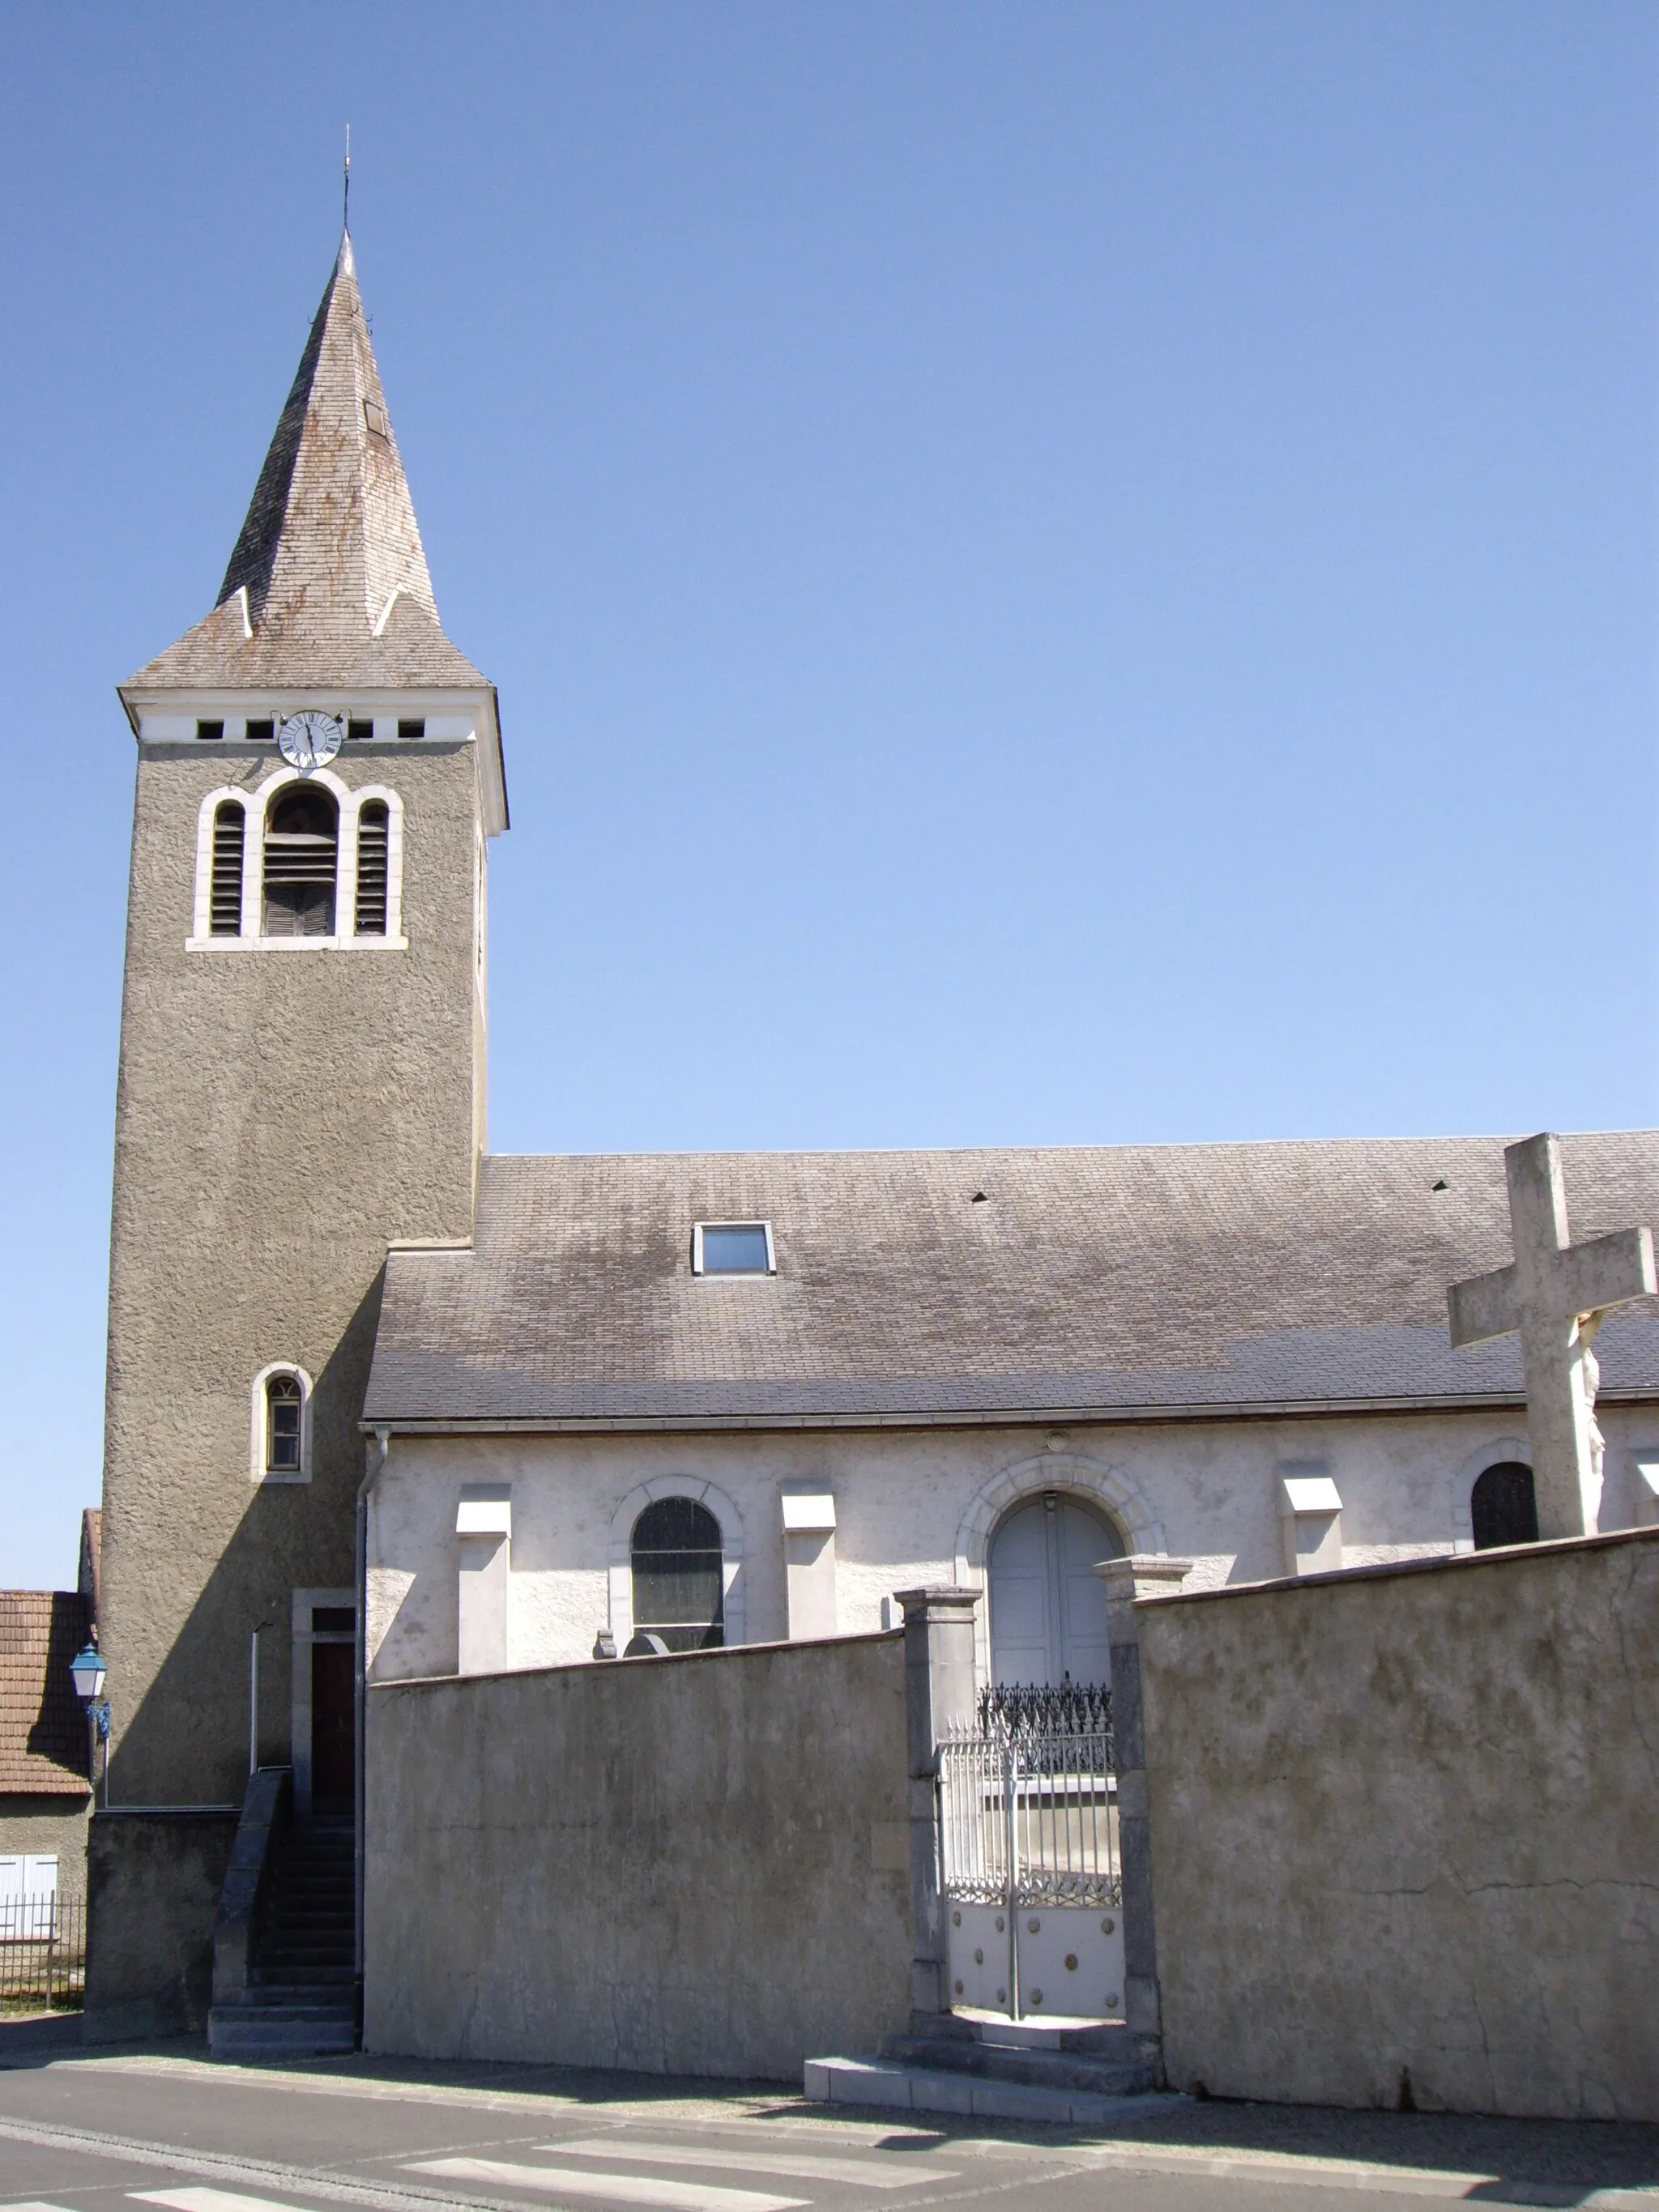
1143, 1575
938, 1696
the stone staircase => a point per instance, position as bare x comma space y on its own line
1066, 2073
300, 1997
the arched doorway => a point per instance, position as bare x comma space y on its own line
1048, 1604
1503, 1507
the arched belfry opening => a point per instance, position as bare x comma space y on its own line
302, 838
1048, 1605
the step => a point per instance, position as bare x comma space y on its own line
1114, 2037
331, 1988
891, 2088
238, 2031
1088, 2073
305, 1974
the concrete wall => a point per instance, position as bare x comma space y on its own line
910, 1506
694, 1865
1403, 1837
54, 1826
153, 1882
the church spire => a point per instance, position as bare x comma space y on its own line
327, 583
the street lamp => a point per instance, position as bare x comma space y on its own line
87, 1672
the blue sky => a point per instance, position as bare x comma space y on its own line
1057, 573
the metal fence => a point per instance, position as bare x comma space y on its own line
1028, 1816
43, 1952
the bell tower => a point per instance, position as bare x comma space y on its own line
301, 1084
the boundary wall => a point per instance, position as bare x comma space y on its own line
700, 1864
1405, 1832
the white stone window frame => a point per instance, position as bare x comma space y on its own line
1070, 1474
709, 1494
256, 806
262, 1474
1464, 1481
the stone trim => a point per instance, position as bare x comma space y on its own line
258, 1473
1070, 1474
621, 1571
256, 806
1464, 1482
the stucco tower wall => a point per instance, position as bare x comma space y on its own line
281, 1116
1403, 1836
697, 1865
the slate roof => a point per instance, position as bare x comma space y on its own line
43, 1727
1123, 1280
330, 537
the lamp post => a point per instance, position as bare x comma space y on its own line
87, 1672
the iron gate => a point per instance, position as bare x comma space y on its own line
1029, 1845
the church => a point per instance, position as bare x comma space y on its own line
384, 1405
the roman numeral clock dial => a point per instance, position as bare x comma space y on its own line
307, 741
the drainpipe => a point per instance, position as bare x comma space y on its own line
379, 1451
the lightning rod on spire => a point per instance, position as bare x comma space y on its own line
345, 193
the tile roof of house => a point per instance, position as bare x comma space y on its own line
1123, 1280
43, 1727
327, 583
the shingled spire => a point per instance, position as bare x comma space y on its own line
327, 583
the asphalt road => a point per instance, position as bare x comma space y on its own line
123, 2130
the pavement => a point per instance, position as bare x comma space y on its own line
122, 2128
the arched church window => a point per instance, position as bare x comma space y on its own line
225, 892
285, 1407
302, 852
1503, 1506
372, 834
677, 1562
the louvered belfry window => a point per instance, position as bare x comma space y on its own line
225, 897
301, 851
372, 832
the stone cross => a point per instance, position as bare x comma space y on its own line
1554, 1295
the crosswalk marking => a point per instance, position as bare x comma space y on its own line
861, 2173
209, 2200
614, 2188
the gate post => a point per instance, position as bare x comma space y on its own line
1143, 1575
938, 1696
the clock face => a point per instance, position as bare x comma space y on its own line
307, 740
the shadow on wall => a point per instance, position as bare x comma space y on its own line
153, 1882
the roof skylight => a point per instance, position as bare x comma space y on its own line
731, 1247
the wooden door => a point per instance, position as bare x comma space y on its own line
333, 1727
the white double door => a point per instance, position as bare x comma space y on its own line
1048, 1604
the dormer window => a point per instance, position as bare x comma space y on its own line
732, 1248
374, 417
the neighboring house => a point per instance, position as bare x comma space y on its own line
46, 1793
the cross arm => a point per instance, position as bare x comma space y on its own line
1605, 1272
1484, 1307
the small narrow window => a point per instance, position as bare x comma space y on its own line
225, 897
372, 868
375, 417
677, 1562
210, 730
414, 728
261, 733
360, 729
301, 837
283, 1405
731, 1247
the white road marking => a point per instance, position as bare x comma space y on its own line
614, 2188
33, 2204
212, 2200
862, 2172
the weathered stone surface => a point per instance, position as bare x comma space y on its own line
1403, 1833
673, 1865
